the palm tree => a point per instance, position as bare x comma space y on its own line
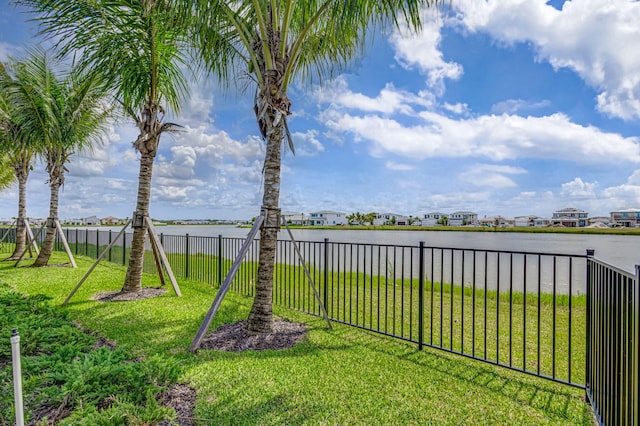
277, 42
62, 114
139, 49
16, 148
6, 173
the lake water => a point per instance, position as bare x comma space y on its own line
619, 250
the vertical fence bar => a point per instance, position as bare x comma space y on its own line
186, 256
524, 313
473, 309
635, 400
553, 328
421, 295
570, 331
326, 271
589, 319
110, 240
219, 259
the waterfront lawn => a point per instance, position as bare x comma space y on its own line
339, 376
483, 324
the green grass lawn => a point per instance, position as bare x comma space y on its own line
339, 376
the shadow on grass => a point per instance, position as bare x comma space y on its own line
561, 401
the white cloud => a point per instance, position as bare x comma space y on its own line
422, 50
307, 144
392, 165
489, 175
598, 39
490, 136
578, 189
389, 100
512, 106
626, 195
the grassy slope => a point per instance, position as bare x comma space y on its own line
340, 376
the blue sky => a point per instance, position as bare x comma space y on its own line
502, 107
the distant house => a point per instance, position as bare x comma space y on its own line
110, 221
73, 222
192, 222
91, 221
463, 218
497, 222
605, 220
570, 217
629, 218
293, 218
531, 221
432, 219
391, 219
327, 218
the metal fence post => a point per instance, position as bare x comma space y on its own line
635, 409
110, 239
76, 241
421, 296
124, 248
219, 259
326, 272
86, 242
589, 319
186, 258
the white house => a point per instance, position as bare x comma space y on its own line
91, 221
391, 219
327, 218
293, 218
463, 218
531, 221
432, 219
497, 222
626, 218
570, 217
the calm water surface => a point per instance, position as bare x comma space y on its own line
620, 250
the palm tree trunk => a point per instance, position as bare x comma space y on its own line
133, 280
261, 316
55, 181
22, 173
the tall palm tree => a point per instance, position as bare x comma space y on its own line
6, 174
17, 148
63, 113
276, 42
139, 48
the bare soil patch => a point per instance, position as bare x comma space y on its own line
182, 398
120, 296
234, 337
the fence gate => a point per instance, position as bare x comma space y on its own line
613, 343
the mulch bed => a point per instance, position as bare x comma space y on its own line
182, 398
234, 337
120, 296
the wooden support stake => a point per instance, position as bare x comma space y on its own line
224, 288
158, 262
30, 236
63, 238
306, 271
153, 235
28, 247
102, 255
8, 229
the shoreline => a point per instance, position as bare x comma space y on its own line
521, 230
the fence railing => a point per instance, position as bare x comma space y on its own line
521, 310
613, 343
568, 318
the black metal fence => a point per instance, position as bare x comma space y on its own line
568, 318
613, 343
